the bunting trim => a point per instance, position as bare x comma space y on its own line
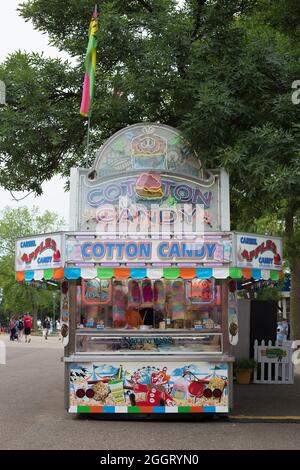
60, 274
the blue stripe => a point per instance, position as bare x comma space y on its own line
108, 409
204, 273
29, 275
72, 273
209, 409
158, 409
256, 273
138, 273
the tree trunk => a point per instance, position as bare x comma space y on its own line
295, 298
294, 262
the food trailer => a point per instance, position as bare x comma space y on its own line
148, 277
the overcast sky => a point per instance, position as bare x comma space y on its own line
16, 34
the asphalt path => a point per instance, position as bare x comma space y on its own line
32, 415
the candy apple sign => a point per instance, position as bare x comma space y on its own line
258, 251
39, 253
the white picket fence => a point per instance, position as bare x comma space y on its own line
274, 363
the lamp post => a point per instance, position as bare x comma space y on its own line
54, 294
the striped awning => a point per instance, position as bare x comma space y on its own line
60, 274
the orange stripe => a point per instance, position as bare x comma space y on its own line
188, 273
59, 273
95, 409
196, 409
146, 409
121, 273
281, 275
247, 273
20, 276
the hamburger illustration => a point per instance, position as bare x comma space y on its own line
148, 186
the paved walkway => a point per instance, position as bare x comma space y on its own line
272, 401
250, 401
32, 414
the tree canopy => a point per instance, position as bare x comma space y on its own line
219, 70
145, 50
18, 298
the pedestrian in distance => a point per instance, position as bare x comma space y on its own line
20, 329
27, 321
17, 330
12, 329
285, 329
58, 329
46, 327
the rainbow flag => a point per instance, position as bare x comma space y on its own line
90, 67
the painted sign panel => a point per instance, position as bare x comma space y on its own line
273, 354
256, 251
96, 291
212, 251
168, 385
161, 198
146, 165
145, 146
41, 252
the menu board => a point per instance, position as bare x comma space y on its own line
201, 291
96, 291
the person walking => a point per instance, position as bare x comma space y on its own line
58, 329
46, 327
285, 329
27, 321
20, 329
12, 329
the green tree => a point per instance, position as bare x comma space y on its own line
18, 298
220, 70
144, 53
244, 106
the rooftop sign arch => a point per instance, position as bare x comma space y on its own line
146, 146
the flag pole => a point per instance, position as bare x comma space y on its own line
95, 14
88, 140
89, 77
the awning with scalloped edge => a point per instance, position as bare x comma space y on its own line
60, 274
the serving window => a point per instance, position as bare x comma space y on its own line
149, 304
158, 343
